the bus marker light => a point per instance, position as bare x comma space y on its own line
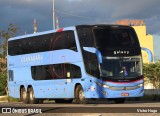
92, 88
124, 94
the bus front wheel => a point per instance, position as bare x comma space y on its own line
32, 99
79, 94
24, 95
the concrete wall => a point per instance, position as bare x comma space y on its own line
152, 91
156, 42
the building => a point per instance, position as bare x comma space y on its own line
146, 43
156, 44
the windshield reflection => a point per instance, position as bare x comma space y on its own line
121, 67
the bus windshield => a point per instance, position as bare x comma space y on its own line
121, 67
115, 37
118, 47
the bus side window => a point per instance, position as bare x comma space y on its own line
11, 75
55, 71
48, 75
77, 71
63, 40
58, 71
33, 71
38, 73
74, 70
25, 46
16, 47
69, 41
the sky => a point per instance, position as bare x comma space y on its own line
75, 12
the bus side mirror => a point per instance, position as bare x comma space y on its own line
90, 49
95, 51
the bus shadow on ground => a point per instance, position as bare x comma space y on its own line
105, 101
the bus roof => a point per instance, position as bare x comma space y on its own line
66, 28
106, 25
41, 33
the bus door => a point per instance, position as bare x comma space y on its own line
11, 83
73, 74
61, 81
65, 74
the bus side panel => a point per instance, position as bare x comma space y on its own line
20, 77
65, 88
43, 88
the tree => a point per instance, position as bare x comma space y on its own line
152, 73
4, 36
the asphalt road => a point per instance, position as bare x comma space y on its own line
98, 108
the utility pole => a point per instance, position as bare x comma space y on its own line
57, 24
53, 17
35, 25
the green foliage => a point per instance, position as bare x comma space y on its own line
3, 83
152, 73
4, 36
11, 99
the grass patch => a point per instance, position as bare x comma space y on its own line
11, 99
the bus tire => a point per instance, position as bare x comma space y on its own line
79, 95
24, 96
119, 100
32, 99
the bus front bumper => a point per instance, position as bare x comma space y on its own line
100, 92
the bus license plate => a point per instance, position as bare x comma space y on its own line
124, 94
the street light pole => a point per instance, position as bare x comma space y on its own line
54, 27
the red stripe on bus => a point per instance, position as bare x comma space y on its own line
124, 82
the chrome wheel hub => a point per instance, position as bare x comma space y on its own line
81, 95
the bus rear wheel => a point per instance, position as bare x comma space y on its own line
32, 99
24, 95
79, 95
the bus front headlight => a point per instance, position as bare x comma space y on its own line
140, 85
102, 85
105, 86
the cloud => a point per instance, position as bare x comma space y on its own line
108, 11
74, 0
23, 12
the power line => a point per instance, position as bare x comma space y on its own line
80, 16
149, 26
92, 18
